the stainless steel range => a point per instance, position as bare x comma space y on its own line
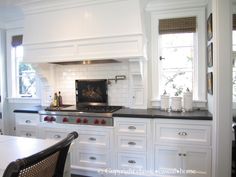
86, 115
91, 106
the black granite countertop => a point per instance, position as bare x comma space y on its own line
156, 113
34, 109
141, 113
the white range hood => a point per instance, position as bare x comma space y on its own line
74, 30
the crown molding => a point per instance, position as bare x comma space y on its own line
39, 6
161, 5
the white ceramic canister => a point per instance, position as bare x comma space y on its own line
176, 103
188, 101
165, 102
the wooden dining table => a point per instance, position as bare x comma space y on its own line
12, 148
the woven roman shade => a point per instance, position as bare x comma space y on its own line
177, 25
17, 40
234, 21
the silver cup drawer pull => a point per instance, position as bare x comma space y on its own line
92, 139
132, 128
28, 121
131, 161
131, 143
182, 133
57, 136
92, 158
28, 134
180, 154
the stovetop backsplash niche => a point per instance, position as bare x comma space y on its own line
65, 76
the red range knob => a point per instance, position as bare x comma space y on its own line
52, 119
78, 120
46, 118
85, 121
65, 120
96, 121
103, 122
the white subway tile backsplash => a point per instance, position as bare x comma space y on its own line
117, 92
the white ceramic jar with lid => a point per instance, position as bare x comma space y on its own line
165, 101
176, 103
188, 100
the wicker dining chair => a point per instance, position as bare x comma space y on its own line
47, 163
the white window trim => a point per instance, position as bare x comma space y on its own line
234, 12
11, 72
200, 75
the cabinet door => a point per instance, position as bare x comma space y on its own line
197, 161
138, 97
167, 160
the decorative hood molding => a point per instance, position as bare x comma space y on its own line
58, 31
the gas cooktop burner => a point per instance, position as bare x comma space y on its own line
87, 108
99, 109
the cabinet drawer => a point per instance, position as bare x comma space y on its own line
183, 134
96, 140
136, 127
26, 133
91, 160
27, 119
54, 134
131, 161
127, 143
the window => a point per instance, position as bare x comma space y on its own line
25, 76
177, 41
179, 36
234, 57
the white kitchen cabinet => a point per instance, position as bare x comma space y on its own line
183, 147
188, 161
132, 143
93, 150
155, 145
166, 157
27, 124
137, 84
197, 159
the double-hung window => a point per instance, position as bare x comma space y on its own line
24, 83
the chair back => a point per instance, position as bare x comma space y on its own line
47, 163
